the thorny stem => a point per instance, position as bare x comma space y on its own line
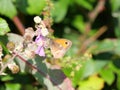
92, 16
19, 25
34, 67
6, 64
91, 39
99, 7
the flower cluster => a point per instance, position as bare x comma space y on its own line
41, 34
29, 47
33, 42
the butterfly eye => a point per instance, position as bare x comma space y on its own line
66, 42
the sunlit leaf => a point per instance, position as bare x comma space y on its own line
93, 83
31, 7
118, 82
4, 28
88, 68
12, 86
6, 78
60, 10
84, 3
115, 5
79, 23
107, 75
7, 8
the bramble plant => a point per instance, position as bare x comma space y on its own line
59, 45
26, 49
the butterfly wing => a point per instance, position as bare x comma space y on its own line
59, 47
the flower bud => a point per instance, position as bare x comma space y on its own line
37, 19
44, 32
13, 67
11, 46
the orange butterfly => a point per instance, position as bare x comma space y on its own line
59, 47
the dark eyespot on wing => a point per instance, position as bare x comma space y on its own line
66, 42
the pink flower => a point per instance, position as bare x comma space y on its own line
41, 34
40, 51
40, 42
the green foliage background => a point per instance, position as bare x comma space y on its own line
92, 63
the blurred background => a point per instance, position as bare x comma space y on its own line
93, 26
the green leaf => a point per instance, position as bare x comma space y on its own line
92, 83
107, 75
79, 23
117, 32
31, 6
115, 5
84, 3
2, 87
103, 46
107, 45
60, 10
86, 70
7, 8
118, 82
35, 6
116, 70
113, 67
4, 28
117, 23
7, 78
29, 87
10, 86
99, 64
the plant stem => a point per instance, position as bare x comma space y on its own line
92, 16
19, 25
91, 39
6, 64
40, 71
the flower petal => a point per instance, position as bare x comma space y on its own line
44, 32
40, 51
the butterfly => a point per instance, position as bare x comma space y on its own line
59, 47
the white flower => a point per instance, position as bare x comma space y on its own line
37, 19
13, 67
44, 32
19, 47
